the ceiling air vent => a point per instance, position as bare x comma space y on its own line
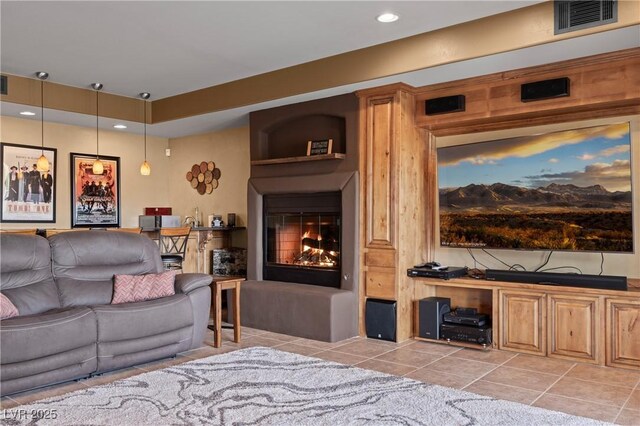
577, 15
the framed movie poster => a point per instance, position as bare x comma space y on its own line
95, 199
28, 194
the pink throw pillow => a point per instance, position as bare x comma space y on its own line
7, 308
136, 288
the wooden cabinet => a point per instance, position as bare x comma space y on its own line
522, 321
623, 332
393, 205
574, 327
580, 324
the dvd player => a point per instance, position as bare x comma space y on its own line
444, 273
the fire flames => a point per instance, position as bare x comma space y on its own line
313, 253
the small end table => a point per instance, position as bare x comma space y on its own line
219, 283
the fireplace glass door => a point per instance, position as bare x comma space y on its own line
302, 238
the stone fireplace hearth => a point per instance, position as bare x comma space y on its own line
314, 311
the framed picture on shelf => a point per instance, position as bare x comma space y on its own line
320, 147
95, 198
28, 194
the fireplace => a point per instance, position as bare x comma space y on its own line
302, 238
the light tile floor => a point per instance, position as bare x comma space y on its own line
602, 393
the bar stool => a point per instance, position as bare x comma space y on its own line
173, 246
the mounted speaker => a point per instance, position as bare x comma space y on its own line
3, 84
444, 105
547, 89
380, 319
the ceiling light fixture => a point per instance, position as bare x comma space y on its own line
98, 167
29, 113
387, 17
119, 126
145, 167
42, 165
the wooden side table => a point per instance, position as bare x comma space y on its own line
218, 284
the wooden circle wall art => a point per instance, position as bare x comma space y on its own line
204, 177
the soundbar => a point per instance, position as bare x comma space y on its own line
604, 282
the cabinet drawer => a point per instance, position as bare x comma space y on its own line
380, 258
381, 283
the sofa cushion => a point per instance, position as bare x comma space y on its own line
24, 260
30, 337
7, 309
85, 262
150, 317
34, 298
137, 288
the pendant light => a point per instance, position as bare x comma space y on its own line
98, 167
145, 168
42, 165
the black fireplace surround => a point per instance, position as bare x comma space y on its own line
301, 241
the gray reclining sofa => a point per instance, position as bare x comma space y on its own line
67, 329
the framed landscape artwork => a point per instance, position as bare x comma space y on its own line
28, 194
95, 198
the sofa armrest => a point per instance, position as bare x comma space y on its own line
186, 283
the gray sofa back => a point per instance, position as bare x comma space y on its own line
84, 263
25, 273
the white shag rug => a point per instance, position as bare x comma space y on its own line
263, 386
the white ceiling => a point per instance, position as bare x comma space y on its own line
173, 47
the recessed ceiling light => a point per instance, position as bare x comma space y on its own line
29, 113
387, 17
119, 126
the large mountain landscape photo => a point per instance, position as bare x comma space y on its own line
568, 190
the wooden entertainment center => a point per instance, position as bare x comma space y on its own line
580, 324
398, 214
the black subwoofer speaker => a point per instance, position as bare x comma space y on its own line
380, 319
430, 313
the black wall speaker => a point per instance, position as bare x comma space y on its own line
3, 84
430, 313
443, 105
380, 319
556, 88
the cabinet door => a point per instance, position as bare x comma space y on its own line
380, 172
574, 327
522, 322
622, 330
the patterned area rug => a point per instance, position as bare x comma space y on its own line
260, 386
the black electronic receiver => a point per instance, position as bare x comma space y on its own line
442, 273
473, 319
465, 333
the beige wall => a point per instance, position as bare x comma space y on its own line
589, 263
136, 191
229, 149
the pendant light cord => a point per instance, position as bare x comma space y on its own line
145, 131
42, 113
97, 122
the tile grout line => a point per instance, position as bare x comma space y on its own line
624, 404
493, 369
553, 384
